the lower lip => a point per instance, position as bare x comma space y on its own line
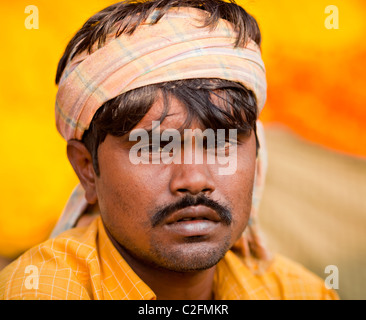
193, 228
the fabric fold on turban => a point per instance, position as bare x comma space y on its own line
175, 48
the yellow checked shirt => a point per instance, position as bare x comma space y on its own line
82, 263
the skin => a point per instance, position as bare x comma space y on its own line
4, 262
129, 195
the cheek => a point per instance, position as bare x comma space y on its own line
239, 191
241, 198
126, 193
117, 182
120, 196
123, 211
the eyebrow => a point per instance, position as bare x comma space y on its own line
240, 133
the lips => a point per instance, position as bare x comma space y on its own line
193, 213
192, 221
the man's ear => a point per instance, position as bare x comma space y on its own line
81, 160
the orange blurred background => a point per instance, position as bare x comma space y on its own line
316, 80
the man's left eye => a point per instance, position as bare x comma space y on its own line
150, 149
155, 148
223, 144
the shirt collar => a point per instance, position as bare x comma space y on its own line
232, 280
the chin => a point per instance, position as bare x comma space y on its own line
192, 257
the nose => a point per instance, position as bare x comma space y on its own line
191, 178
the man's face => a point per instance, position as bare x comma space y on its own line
149, 209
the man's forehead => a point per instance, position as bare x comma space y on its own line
175, 117
176, 113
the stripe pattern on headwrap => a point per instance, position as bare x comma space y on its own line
175, 48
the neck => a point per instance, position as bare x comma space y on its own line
172, 285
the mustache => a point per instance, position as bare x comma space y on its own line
187, 201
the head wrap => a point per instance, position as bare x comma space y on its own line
175, 48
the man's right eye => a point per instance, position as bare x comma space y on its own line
151, 148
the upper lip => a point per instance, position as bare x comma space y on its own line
194, 212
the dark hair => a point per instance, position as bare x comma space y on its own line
118, 116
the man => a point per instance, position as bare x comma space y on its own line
158, 102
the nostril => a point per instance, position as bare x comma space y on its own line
184, 191
187, 180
